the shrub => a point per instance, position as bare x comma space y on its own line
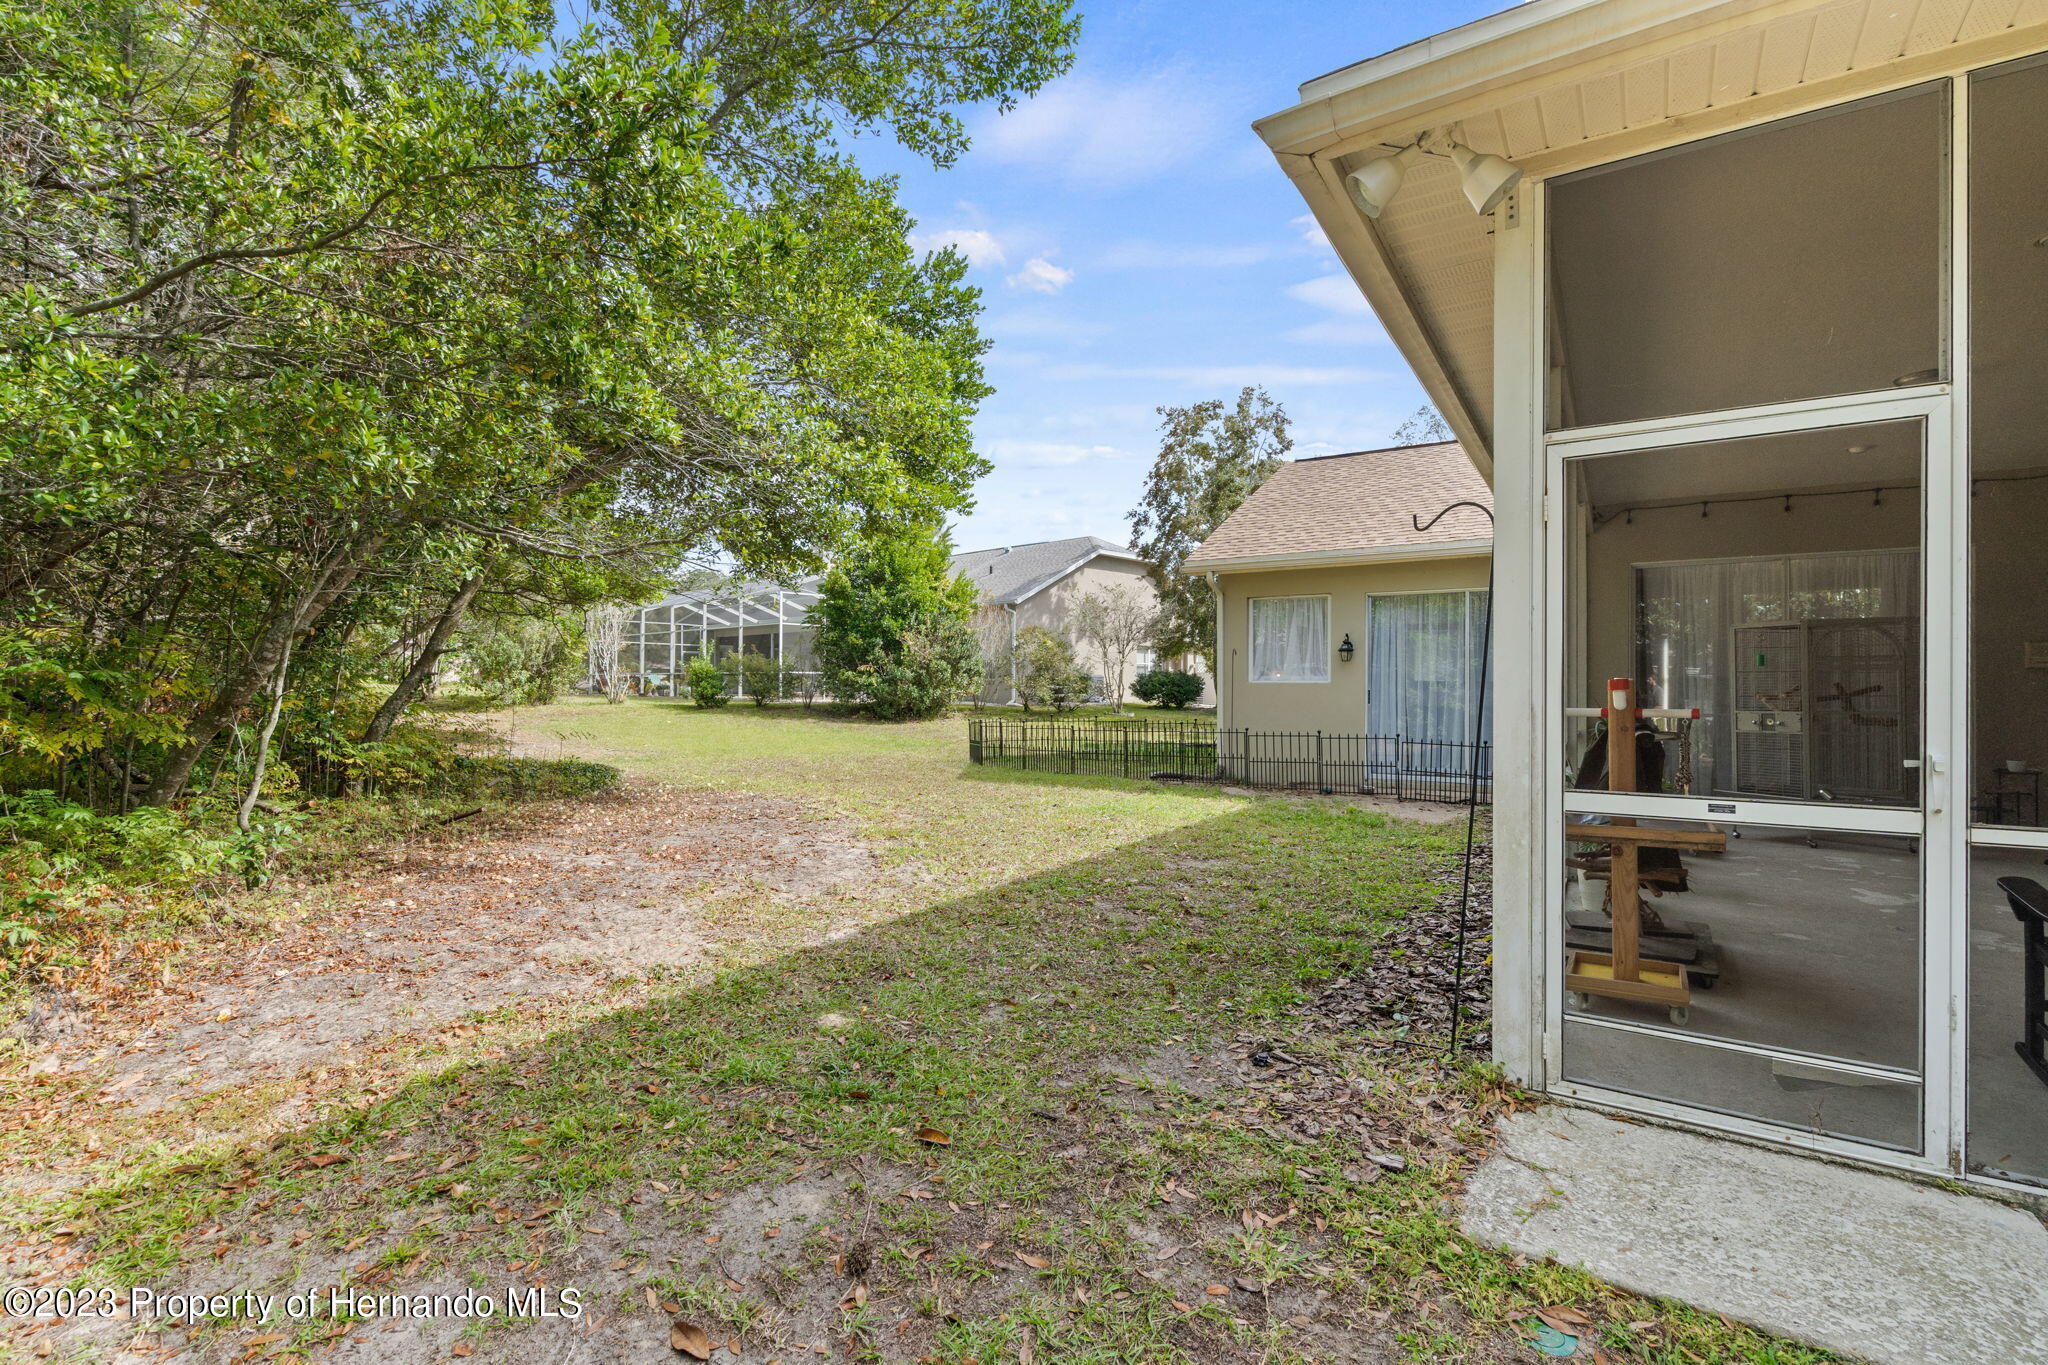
762, 676
1168, 687
707, 683
517, 661
1047, 674
930, 666
82, 890
503, 777
892, 627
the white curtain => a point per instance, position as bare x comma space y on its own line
1687, 613
1424, 676
1290, 639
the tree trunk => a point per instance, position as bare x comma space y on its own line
284, 626
262, 761
423, 667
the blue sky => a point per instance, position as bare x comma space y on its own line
1136, 245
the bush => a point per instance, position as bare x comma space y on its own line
707, 684
762, 676
522, 661
1168, 687
502, 777
82, 890
931, 665
892, 627
1047, 674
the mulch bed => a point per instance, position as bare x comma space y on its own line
1403, 992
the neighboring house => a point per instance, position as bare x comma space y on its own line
1752, 358
1038, 584
1041, 584
1336, 615
769, 619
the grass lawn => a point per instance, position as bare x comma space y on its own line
1005, 1112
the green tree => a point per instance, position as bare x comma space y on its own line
1210, 460
707, 682
521, 660
1422, 427
1047, 673
321, 326
893, 627
762, 676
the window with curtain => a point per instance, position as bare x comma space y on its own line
1425, 664
1290, 639
1701, 625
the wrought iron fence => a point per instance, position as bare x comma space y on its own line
1373, 765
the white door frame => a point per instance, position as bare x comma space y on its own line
1933, 822
1528, 598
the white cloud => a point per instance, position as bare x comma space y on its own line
1334, 293
1044, 453
1087, 129
1041, 276
980, 246
1312, 232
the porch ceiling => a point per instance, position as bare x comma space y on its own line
1557, 84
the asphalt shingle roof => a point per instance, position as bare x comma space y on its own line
1009, 573
1363, 502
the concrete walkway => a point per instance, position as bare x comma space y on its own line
1867, 1265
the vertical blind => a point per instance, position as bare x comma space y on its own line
1290, 639
1424, 676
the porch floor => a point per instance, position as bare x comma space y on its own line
1868, 1265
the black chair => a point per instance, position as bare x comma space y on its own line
2029, 901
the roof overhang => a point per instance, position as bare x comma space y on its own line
1330, 559
1557, 85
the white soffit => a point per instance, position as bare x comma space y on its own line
1555, 84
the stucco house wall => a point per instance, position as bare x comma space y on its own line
1337, 707
1054, 606
1042, 584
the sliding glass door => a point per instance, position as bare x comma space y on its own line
1424, 656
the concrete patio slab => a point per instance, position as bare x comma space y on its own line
1868, 1265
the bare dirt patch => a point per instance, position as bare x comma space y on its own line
553, 901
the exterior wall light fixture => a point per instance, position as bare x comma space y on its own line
1485, 178
1346, 650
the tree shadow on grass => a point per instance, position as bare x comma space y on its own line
950, 1054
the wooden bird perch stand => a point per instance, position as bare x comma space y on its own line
1623, 974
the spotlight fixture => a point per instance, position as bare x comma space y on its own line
1485, 178
1374, 185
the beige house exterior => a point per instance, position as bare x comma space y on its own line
1331, 541
1042, 584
